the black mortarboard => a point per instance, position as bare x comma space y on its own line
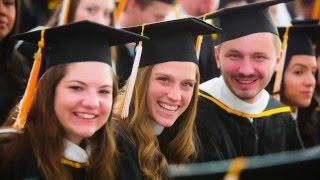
240, 21
169, 41
172, 40
300, 40
285, 165
310, 22
80, 41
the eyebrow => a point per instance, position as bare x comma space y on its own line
163, 74
304, 66
82, 83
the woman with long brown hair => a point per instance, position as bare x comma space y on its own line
68, 133
159, 120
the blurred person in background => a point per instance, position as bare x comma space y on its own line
137, 12
13, 69
196, 8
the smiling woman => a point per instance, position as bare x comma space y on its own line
68, 132
160, 122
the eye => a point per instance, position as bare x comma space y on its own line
260, 57
298, 72
233, 55
91, 10
105, 91
76, 88
188, 84
163, 80
9, 2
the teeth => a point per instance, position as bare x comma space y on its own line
168, 107
245, 81
86, 116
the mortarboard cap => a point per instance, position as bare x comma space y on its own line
81, 41
172, 40
78, 42
300, 40
244, 20
302, 164
310, 22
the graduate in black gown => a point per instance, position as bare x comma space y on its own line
63, 129
159, 120
306, 109
236, 116
299, 78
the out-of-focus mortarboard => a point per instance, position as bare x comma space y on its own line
301, 164
169, 41
77, 42
301, 40
244, 20
310, 22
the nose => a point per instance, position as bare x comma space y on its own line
91, 100
174, 93
310, 80
246, 67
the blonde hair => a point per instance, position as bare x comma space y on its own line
181, 145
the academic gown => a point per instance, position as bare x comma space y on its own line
226, 132
127, 161
24, 165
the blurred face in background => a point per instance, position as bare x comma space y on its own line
7, 17
299, 80
155, 11
98, 11
199, 7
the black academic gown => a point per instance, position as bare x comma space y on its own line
127, 161
225, 135
24, 165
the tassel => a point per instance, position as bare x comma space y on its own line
279, 72
132, 79
64, 14
119, 10
26, 101
236, 166
316, 10
200, 39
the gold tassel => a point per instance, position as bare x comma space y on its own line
119, 10
279, 71
26, 101
200, 39
132, 79
316, 10
64, 14
236, 166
